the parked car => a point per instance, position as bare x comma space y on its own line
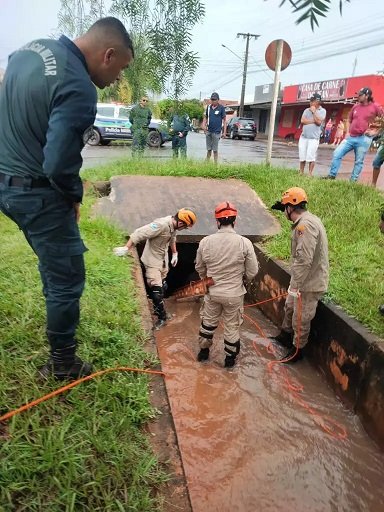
239, 127
112, 123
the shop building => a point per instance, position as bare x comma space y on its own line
338, 96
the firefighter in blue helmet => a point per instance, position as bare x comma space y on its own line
47, 109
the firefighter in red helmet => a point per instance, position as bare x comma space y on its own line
230, 260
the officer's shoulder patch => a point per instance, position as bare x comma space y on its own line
153, 225
300, 229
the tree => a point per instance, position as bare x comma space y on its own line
312, 9
166, 25
162, 33
193, 108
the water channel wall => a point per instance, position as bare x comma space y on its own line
351, 358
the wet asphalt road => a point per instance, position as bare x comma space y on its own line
236, 151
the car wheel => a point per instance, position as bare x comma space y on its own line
105, 142
233, 136
252, 138
95, 138
154, 139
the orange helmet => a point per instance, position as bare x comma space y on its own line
294, 196
187, 216
225, 209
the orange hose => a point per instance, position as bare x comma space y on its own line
61, 390
330, 426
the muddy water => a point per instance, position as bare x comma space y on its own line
249, 443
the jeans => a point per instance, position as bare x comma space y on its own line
360, 146
49, 225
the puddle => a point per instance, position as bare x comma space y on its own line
248, 444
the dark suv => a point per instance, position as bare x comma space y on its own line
239, 127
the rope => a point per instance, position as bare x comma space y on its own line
71, 385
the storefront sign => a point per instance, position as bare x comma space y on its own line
329, 89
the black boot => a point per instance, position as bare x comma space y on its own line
203, 355
65, 365
158, 306
284, 338
229, 361
291, 355
232, 350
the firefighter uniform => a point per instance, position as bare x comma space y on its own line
140, 118
47, 109
159, 235
229, 259
179, 124
309, 273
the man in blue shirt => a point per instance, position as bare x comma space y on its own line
47, 109
214, 125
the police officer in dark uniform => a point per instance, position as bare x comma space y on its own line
179, 127
47, 108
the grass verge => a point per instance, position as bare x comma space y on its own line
86, 450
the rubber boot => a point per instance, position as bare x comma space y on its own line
230, 358
63, 364
203, 355
284, 338
158, 306
292, 356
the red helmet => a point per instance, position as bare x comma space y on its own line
225, 209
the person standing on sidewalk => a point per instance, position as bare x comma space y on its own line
230, 260
360, 134
140, 118
309, 271
312, 121
214, 126
158, 236
47, 109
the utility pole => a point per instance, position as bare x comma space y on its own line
247, 37
354, 66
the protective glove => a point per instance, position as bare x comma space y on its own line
278, 206
121, 251
293, 293
175, 259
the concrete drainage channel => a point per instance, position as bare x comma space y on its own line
254, 439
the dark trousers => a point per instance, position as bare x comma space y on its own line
179, 143
49, 224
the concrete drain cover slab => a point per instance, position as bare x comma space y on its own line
137, 200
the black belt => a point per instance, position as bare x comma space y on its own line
26, 181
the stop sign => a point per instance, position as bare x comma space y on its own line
271, 54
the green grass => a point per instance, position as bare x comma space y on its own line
87, 450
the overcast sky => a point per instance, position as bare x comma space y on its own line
360, 27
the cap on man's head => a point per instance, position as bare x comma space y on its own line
315, 97
214, 96
365, 90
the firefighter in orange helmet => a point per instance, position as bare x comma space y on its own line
230, 260
158, 236
309, 270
